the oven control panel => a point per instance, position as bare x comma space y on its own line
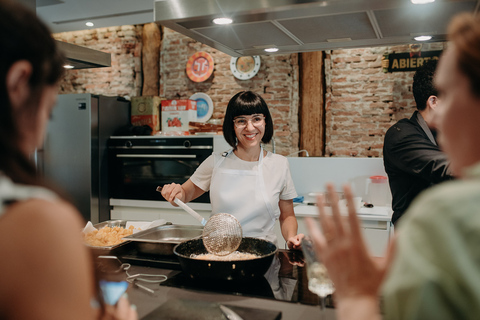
214, 143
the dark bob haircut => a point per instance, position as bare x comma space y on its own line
246, 103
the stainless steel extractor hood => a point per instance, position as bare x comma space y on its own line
77, 56
82, 57
307, 25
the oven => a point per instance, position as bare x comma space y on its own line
137, 165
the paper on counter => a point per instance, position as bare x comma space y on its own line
144, 225
138, 225
376, 210
89, 227
312, 210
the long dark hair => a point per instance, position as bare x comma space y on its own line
246, 103
23, 37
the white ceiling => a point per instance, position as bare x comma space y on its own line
71, 15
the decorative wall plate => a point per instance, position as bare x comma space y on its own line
200, 66
244, 68
204, 106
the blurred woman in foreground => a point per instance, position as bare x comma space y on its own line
46, 271
435, 270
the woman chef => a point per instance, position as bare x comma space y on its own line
248, 182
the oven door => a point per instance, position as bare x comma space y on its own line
136, 173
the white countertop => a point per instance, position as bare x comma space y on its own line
376, 213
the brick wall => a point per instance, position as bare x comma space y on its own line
362, 102
123, 78
276, 81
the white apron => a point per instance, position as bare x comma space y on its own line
242, 193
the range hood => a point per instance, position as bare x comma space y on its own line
77, 56
82, 57
307, 25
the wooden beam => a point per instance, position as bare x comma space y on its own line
152, 39
312, 103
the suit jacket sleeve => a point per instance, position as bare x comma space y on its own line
408, 149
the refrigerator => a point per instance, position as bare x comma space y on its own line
74, 154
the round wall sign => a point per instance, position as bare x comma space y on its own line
204, 106
200, 66
244, 68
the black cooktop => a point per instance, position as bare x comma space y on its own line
254, 288
285, 280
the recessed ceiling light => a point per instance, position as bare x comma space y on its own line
271, 49
89, 24
423, 38
422, 1
68, 66
222, 20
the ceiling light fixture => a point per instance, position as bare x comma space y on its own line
68, 66
423, 38
271, 49
222, 20
422, 1
89, 24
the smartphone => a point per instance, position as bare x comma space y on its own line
112, 290
112, 284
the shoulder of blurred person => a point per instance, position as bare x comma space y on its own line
44, 249
46, 270
437, 259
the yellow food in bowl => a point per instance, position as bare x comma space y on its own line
107, 236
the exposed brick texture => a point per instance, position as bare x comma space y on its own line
362, 102
123, 78
276, 81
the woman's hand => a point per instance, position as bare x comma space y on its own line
295, 242
357, 276
172, 191
123, 310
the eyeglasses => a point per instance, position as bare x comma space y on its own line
256, 120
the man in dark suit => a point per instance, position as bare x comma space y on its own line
411, 156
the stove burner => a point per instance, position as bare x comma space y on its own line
258, 287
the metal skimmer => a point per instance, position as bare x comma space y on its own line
222, 233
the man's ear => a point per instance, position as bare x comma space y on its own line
18, 87
432, 102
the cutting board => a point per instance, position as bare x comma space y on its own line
176, 309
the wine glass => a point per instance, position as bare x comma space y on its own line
318, 280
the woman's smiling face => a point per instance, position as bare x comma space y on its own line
249, 129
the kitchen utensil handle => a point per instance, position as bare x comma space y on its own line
190, 210
229, 313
